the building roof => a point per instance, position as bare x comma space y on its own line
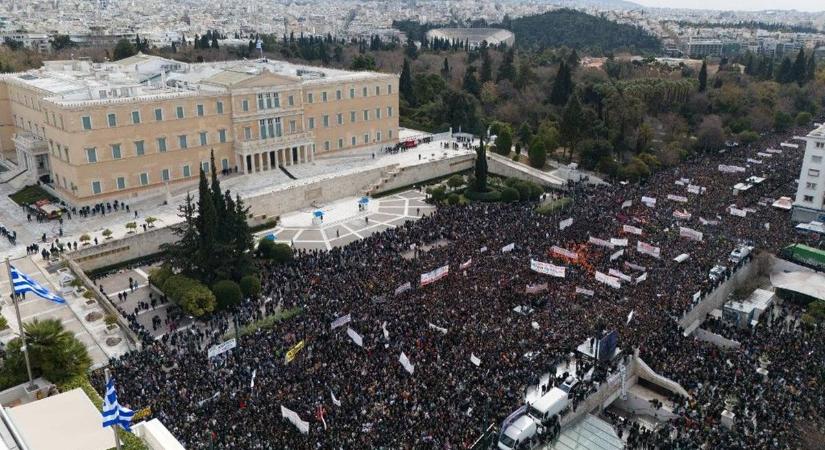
67, 421
591, 433
807, 283
818, 132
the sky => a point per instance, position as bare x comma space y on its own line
749, 5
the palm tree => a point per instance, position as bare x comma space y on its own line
54, 353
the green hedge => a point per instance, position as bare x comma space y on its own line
489, 196
265, 323
31, 194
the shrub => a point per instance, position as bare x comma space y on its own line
455, 181
510, 195
803, 118
537, 154
748, 137
782, 121
107, 233
250, 286
491, 195
453, 199
131, 226
150, 222
110, 319
438, 193
85, 238
191, 295
3, 323
158, 275
227, 294
276, 251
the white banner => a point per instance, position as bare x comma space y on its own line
583, 291
359, 341
335, 401
343, 320
600, 242
293, 417
774, 151
697, 295
788, 145
564, 252
617, 255
547, 268
693, 189
764, 155
619, 242
737, 212
631, 229
535, 288
475, 360
608, 280
406, 363
482, 249
641, 278
754, 161
730, 169
466, 264
403, 288
619, 274
630, 265
691, 234
437, 328
647, 249
677, 198
223, 347
384, 329
704, 221
627, 204
565, 223
508, 247
682, 215
650, 202
435, 275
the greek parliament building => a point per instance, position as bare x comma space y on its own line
138, 126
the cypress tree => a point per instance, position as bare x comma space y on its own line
481, 165
810, 74
486, 66
800, 67
703, 77
562, 85
470, 82
207, 224
785, 72
572, 122
445, 69
507, 70
405, 83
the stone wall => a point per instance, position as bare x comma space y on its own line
407, 176
115, 251
716, 339
504, 167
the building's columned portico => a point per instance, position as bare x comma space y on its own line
270, 154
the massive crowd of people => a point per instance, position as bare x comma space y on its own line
362, 397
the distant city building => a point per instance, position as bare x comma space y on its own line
810, 193
704, 48
97, 132
475, 36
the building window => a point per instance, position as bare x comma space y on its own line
324, 96
222, 136
164, 175
366, 114
389, 89
311, 123
326, 146
179, 112
219, 107
338, 94
389, 134
378, 136
200, 110
809, 185
377, 90
144, 179
203, 138
116, 151
276, 100
205, 166
366, 138
352, 116
364, 92
290, 100
377, 113
291, 126
162, 145
182, 141
247, 133
325, 121
809, 198
91, 155
353, 141
139, 149
309, 97
820, 145
340, 143
158, 114
245, 105
816, 159
135, 117
260, 102
112, 119
813, 172
120, 182
351, 92
96, 187
340, 119
186, 171
389, 111
225, 164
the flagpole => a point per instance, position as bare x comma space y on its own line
114, 426
20, 325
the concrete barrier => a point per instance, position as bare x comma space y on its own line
505, 167
716, 339
115, 251
410, 175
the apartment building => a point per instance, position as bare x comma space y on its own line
810, 193
135, 127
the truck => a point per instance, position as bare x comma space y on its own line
540, 415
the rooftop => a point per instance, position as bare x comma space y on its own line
144, 76
818, 132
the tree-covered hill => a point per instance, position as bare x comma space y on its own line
567, 27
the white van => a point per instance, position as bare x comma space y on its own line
740, 253
517, 433
548, 405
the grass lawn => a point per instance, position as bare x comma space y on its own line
31, 194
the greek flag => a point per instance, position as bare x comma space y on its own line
22, 283
113, 413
